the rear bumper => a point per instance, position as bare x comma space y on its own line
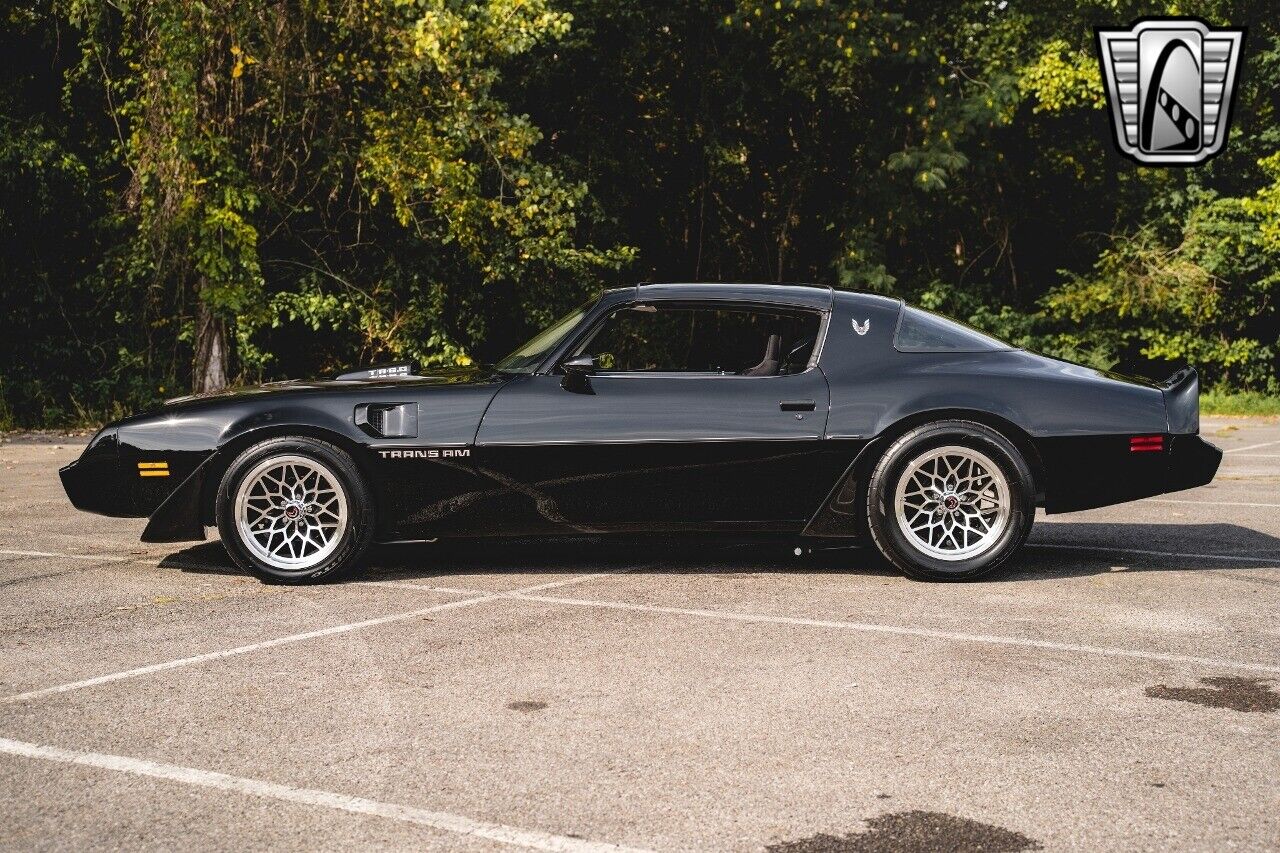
1083, 473
1192, 462
1182, 401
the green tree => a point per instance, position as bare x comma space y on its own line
233, 191
266, 145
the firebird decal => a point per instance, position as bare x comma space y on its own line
863, 327
426, 453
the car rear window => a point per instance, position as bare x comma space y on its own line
924, 331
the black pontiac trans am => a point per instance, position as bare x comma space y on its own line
793, 410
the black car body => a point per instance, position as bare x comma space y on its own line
566, 445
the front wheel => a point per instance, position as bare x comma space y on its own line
294, 510
950, 500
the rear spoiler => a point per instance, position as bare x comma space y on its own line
1182, 401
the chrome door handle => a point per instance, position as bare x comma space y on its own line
797, 405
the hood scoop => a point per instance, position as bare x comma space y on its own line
393, 370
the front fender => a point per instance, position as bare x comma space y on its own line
215, 437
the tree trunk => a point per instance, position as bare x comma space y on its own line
210, 367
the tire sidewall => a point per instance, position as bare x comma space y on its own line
882, 516
355, 539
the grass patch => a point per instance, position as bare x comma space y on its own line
1239, 403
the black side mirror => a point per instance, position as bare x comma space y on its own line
582, 365
576, 370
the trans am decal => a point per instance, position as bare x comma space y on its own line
426, 453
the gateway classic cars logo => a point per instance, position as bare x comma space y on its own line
1169, 84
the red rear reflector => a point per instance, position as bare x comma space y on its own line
1146, 444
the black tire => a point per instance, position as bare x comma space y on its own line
342, 552
907, 550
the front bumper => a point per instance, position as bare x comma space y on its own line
96, 481
1089, 472
116, 478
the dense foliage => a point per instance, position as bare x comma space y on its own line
213, 191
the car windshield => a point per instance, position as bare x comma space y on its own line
528, 357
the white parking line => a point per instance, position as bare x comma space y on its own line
291, 638
874, 628
527, 594
421, 587
1251, 447
1205, 503
97, 558
528, 838
1106, 549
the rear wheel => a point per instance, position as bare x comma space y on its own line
950, 500
294, 510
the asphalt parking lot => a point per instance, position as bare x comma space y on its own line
1119, 689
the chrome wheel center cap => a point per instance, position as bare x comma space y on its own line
292, 510
951, 502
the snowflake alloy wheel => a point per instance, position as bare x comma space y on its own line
952, 503
291, 512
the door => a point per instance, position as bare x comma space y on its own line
696, 416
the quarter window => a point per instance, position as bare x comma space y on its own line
924, 331
723, 341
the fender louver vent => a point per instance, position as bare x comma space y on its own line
388, 420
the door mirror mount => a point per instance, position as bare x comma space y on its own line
576, 370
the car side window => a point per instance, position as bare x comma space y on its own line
727, 341
924, 331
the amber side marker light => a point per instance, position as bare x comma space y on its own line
153, 469
1146, 444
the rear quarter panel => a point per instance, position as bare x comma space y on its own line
873, 386
1077, 420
